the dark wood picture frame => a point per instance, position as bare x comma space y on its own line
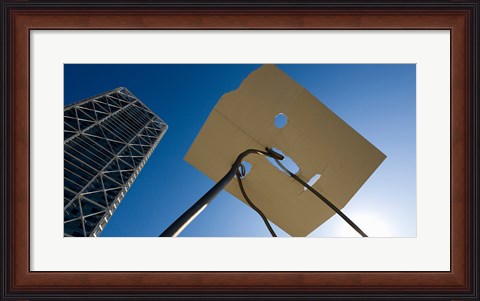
19, 17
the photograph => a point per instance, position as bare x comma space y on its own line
240, 150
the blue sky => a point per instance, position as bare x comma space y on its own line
378, 101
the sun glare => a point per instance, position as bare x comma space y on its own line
373, 226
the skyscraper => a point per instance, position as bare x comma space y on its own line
108, 138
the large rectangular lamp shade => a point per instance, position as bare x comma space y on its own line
314, 137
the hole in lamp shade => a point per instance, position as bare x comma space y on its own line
287, 162
248, 167
280, 120
313, 180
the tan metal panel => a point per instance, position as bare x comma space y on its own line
314, 137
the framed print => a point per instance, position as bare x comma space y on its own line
422, 57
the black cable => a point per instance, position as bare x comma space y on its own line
239, 174
319, 195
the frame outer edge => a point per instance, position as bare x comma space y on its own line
8, 151
3, 150
475, 86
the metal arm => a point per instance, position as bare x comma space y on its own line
178, 225
185, 219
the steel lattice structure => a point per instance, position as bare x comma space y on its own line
108, 138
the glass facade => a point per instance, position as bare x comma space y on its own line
108, 139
